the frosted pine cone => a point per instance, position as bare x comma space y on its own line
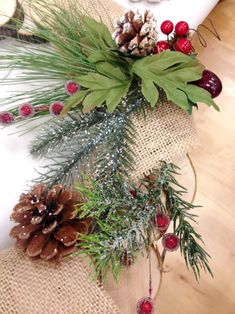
136, 34
48, 222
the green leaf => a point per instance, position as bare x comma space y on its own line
99, 32
150, 92
197, 94
171, 71
74, 101
110, 71
108, 86
94, 99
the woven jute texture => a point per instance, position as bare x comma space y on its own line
35, 287
165, 133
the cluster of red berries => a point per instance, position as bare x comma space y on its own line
170, 241
27, 110
180, 40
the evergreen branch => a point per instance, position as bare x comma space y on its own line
61, 131
194, 254
125, 224
73, 146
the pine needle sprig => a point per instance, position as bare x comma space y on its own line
70, 152
125, 224
62, 130
194, 254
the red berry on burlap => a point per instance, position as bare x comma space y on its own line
162, 221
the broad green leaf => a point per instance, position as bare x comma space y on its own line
115, 95
98, 30
107, 87
197, 94
172, 71
150, 92
110, 71
74, 101
94, 99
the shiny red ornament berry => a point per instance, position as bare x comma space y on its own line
162, 221
6, 118
210, 82
56, 108
170, 242
167, 27
133, 193
26, 111
183, 45
161, 46
181, 28
145, 306
71, 88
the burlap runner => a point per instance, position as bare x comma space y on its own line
28, 287
164, 134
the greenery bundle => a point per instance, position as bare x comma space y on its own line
95, 88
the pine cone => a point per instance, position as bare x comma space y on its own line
48, 222
136, 34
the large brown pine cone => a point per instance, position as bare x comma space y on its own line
136, 34
48, 222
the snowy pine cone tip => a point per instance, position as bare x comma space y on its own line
48, 223
136, 34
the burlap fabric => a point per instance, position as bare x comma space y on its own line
28, 287
164, 134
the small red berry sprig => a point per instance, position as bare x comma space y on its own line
179, 41
27, 110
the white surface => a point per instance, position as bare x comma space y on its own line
192, 11
16, 168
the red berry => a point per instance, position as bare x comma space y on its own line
6, 117
170, 242
210, 82
162, 221
71, 87
183, 45
181, 28
161, 46
167, 27
133, 193
26, 111
56, 108
145, 306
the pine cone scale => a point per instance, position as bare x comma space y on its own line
50, 227
50, 250
67, 235
36, 245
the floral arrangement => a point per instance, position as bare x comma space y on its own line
84, 201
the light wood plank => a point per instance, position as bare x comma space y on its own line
215, 165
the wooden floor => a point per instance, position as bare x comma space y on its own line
215, 165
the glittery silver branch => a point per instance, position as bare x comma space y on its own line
97, 144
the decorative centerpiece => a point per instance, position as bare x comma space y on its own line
119, 105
